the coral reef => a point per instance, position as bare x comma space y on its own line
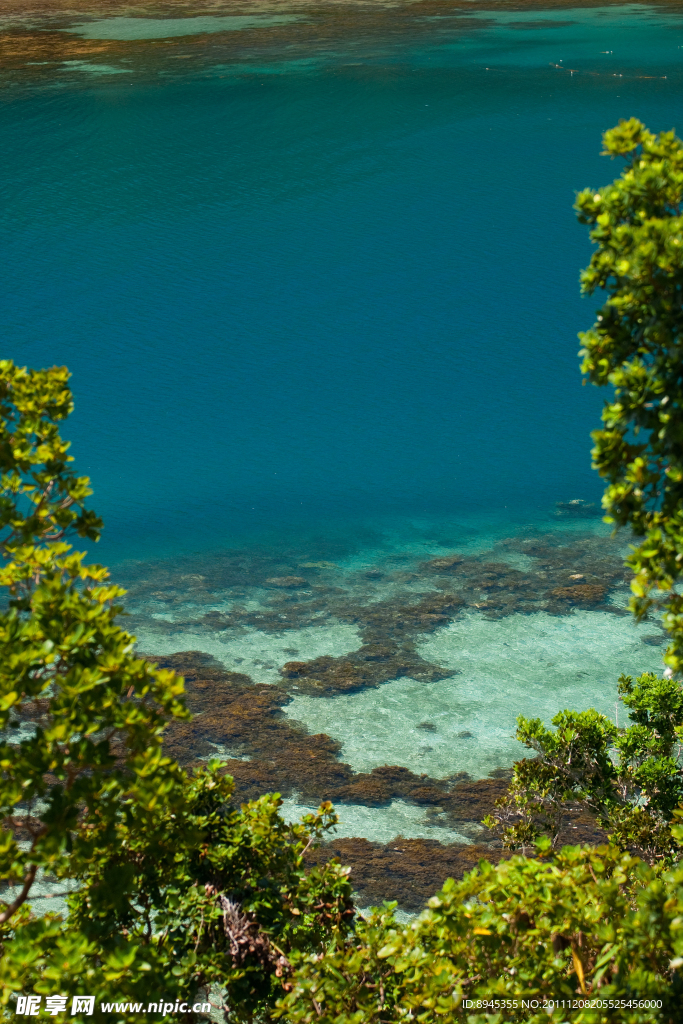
392, 604
233, 716
411, 870
372, 665
33, 39
559, 576
396, 618
406, 870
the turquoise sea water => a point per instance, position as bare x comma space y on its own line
320, 297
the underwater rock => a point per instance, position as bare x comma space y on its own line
287, 582
577, 508
585, 594
443, 564
427, 726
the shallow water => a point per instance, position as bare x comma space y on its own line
170, 28
404, 658
315, 272
533, 665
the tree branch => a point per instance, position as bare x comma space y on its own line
21, 898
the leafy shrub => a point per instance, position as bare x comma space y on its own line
177, 889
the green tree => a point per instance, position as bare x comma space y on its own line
631, 779
178, 890
591, 936
636, 347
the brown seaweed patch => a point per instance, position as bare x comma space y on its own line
579, 826
287, 582
392, 782
370, 666
395, 619
464, 802
411, 870
406, 870
471, 800
234, 713
588, 595
444, 563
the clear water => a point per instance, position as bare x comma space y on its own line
319, 294
168, 28
533, 665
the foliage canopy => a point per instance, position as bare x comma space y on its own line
178, 890
588, 923
636, 346
631, 779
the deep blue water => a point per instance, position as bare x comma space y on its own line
299, 296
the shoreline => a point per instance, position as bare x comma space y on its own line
67, 9
36, 40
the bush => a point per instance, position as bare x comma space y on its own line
178, 890
589, 926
